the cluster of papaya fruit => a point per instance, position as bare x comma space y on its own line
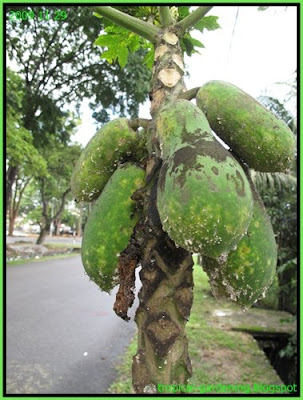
105, 173
206, 200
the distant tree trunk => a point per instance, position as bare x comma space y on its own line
10, 180
46, 219
43, 233
15, 203
57, 224
11, 222
79, 227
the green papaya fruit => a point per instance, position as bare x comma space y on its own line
115, 142
204, 198
262, 140
249, 270
110, 225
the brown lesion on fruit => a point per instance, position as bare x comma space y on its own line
211, 183
187, 157
215, 170
238, 182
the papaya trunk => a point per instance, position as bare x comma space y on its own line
165, 302
166, 295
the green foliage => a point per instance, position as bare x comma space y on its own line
61, 65
278, 108
119, 42
291, 348
19, 140
279, 193
60, 163
189, 44
209, 23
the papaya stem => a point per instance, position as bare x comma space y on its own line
189, 94
143, 29
191, 20
165, 16
166, 298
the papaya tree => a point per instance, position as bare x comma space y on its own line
165, 188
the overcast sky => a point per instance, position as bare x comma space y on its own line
255, 53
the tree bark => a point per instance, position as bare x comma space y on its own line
165, 302
167, 283
15, 203
43, 234
79, 225
11, 222
57, 226
10, 180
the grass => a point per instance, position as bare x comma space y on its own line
31, 260
218, 356
64, 245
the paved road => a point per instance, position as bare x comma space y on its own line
62, 335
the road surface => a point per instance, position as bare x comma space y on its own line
62, 334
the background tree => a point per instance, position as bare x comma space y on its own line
58, 66
279, 193
55, 187
23, 161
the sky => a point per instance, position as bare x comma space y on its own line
255, 53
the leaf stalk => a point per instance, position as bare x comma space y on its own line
143, 29
192, 19
165, 16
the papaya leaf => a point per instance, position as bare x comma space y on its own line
119, 42
196, 42
210, 23
188, 44
183, 12
149, 58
